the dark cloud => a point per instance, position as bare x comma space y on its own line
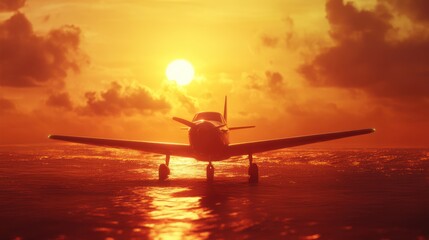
415, 9
366, 57
117, 100
28, 60
60, 100
275, 82
272, 81
6, 105
11, 5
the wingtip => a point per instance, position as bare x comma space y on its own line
52, 136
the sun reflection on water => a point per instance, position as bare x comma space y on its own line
173, 217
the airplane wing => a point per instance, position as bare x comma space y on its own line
175, 149
268, 145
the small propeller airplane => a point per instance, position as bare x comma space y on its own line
208, 135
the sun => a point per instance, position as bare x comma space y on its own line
180, 71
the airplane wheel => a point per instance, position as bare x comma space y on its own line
253, 173
210, 172
163, 172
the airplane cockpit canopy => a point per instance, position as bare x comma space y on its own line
209, 116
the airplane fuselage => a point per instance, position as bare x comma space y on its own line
209, 140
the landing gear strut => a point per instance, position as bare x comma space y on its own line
164, 170
210, 172
253, 171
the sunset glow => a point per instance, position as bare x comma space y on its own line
287, 67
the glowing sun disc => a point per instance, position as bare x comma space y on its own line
180, 71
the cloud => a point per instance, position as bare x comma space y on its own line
274, 40
273, 82
60, 100
180, 98
415, 9
188, 102
11, 5
118, 100
29, 60
364, 57
269, 41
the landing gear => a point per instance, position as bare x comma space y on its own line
253, 171
164, 170
210, 172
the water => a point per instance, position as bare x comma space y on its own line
61, 191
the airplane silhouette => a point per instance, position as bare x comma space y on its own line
208, 134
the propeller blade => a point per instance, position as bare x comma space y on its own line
184, 121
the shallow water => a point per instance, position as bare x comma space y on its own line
62, 191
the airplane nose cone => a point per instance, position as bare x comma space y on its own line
206, 139
204, 127
206, 124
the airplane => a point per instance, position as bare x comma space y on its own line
208, 134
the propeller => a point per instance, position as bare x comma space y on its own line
184, 121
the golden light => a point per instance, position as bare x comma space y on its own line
180, 71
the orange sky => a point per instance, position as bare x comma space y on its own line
97, 68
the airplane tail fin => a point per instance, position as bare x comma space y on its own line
225, 109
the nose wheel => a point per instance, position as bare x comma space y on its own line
253, 171
210, 172
164, 170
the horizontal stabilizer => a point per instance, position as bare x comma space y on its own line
241, 127
184, 121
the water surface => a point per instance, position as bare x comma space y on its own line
62, 191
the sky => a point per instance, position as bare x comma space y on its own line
97, 68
